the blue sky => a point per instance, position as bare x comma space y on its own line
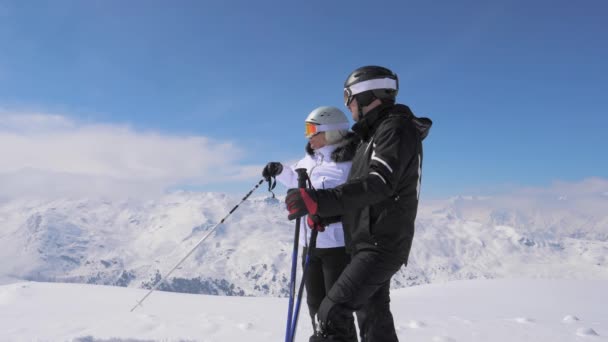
517, 90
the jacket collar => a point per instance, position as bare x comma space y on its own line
326, 151
366, 126
341, 152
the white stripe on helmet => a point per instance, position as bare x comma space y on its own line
378, 83
332, 127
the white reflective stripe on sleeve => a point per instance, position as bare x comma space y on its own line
369, 144
374, 157
378, 83
377, 174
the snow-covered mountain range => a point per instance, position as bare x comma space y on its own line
131, 242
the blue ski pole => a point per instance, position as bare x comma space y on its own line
311, 246
302, 177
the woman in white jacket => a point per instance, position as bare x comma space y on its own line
328, 159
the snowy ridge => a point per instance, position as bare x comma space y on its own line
130, 242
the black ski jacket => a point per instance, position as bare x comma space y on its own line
379, 201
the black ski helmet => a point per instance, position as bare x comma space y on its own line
369, 83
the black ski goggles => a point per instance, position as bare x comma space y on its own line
348, 96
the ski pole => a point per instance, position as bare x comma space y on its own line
162, 279
302, 177
311, 246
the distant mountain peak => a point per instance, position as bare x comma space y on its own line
131, 242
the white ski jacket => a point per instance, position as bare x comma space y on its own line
324, 173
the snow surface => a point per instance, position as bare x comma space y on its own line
472, 310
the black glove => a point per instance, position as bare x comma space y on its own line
301, 202
272, 169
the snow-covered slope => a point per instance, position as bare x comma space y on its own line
472, 310
131, 242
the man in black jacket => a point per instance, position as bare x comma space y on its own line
378, 205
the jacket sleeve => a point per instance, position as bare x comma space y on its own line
288, 177
392, 150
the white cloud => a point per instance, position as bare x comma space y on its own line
44, 153
539, 208
33, 122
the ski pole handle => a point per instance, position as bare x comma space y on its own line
302, 177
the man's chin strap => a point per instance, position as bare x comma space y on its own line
360, 107
364, 100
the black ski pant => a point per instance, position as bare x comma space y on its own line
363, 287
324, 268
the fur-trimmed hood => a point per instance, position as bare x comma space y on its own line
345, 151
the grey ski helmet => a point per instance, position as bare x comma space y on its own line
369, 83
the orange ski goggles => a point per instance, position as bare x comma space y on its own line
310, 129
